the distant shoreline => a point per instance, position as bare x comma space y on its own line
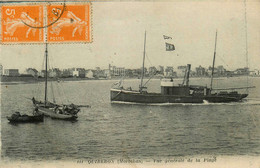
21, 79
31, 79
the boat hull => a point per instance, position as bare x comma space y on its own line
50, 113
26, 119
137, 97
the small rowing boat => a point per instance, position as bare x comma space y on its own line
18, 118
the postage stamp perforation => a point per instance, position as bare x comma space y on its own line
23, 4
90, 22
21, 43
0, 24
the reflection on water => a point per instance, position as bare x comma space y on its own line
114, 130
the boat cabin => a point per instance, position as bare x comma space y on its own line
168, 88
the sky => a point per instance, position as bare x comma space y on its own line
118, 37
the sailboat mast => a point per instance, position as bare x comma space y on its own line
46, 73
213, 66
246, 46
142, 77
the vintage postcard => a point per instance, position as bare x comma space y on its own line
130, 83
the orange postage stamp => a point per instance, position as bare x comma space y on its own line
19, 24
71, 24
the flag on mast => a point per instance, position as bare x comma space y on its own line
166, 37
169, 47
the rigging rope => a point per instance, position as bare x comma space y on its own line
54, 101
148, 59
57, 88
67, 100
49, 67
150, 65
223, 60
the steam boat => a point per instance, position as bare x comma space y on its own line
182, 93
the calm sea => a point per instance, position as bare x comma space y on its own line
112, 131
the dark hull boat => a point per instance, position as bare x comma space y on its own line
182, 93
123, 95
17, 118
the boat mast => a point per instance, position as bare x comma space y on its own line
46, 73
213, 66
246, 47
142, 77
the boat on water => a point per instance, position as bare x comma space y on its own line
181, 93
18, 118
50, 112
52, 109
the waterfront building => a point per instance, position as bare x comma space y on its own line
89, 74
82, 72
32, 71
209, 71
137, 72
129, 72
75, 73
107, 73
221, 70
255, 72
160, 69
1, 69
117, 71
200, 71
181, 70
41, 74
67, 73
169, 71
78, 72
11, 72
55, 72
242, 71
152, 70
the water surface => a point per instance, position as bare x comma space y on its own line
111, 131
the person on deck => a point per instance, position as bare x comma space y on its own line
56, 110
33, 100
36, 110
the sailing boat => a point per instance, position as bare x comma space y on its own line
53, 110
171, 93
